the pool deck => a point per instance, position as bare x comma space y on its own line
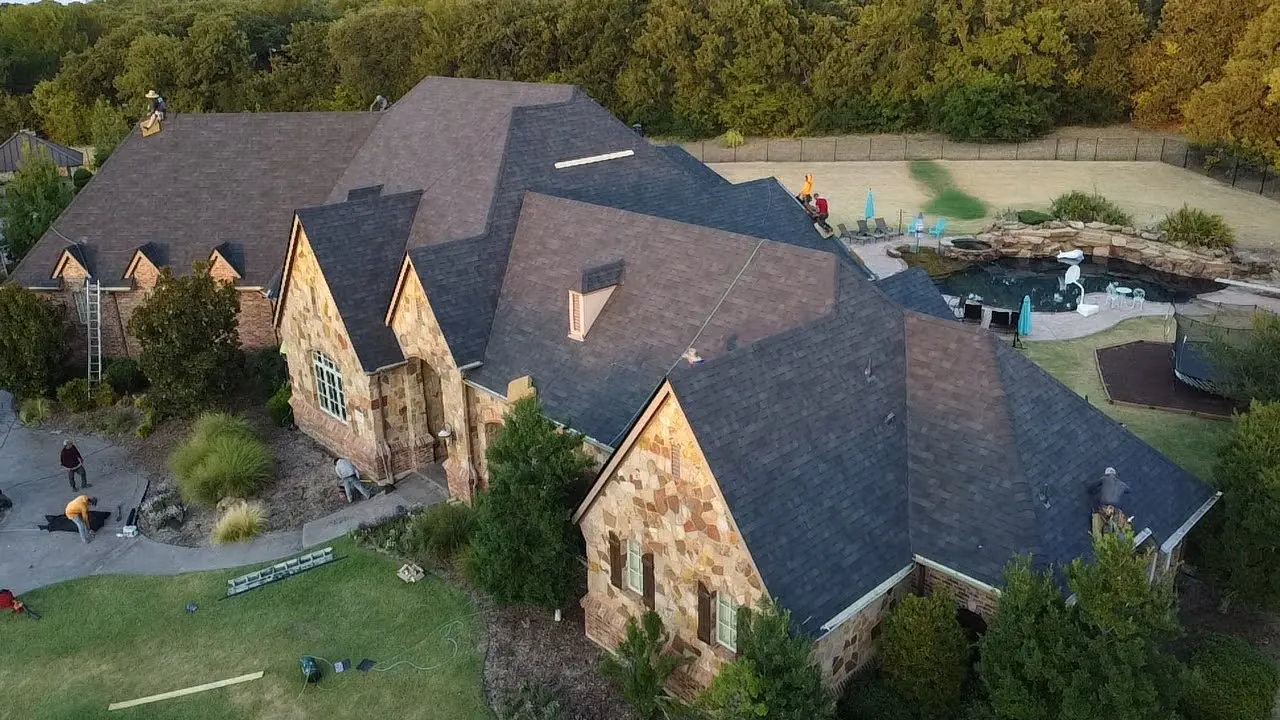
1071, 325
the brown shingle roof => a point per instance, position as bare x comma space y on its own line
205, 180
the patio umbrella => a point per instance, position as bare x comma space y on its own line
871, 204
1024, 317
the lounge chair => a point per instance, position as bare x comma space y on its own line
868, 233
972, 312
938, 229
1005, 320
882, 226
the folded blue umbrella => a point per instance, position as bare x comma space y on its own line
1024, 317
871, 204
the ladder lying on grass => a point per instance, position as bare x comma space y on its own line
279, 571
93, 323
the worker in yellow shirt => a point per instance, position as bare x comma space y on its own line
78, 513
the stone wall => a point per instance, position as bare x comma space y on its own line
678, 514
415, 326
487, 412
969, 597
404, 396
854, 642
1012, 239
310, 323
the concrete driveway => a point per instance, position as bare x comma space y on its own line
30, 476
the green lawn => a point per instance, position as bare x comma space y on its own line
948, 200
1189, 441
110, 639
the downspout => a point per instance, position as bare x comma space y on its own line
473, 475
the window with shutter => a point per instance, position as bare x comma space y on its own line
726, 621
650, 592
615, 561
635, 571
705, 598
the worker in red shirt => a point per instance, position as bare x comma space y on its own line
73, 463
9, 602
823, 213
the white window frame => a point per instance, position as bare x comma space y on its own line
726, 621
81, 299
329, 391
635, 567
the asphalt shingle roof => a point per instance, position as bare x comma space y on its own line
912, 289
25, 143
683, 285
205, 180
359, 245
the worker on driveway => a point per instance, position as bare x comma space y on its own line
349, 476
73, 462
78, 513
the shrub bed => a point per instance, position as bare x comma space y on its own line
1088, 207
1197, 228
278, 407
435, 535
1033, 217
242, 521
124, 376
1230, 680
34, 411
74, 395
221, 458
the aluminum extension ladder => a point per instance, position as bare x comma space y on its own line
93, 324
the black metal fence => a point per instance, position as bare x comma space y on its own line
1226, 168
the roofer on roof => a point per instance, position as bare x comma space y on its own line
1107, 510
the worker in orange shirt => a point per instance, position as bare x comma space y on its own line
78, 513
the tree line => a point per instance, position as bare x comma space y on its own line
1003, 70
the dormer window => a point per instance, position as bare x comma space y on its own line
588, 299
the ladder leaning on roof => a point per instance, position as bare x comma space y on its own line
93, 323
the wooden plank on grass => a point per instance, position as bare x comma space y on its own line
184, 691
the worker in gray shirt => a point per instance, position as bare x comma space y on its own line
349, 476
1109, 489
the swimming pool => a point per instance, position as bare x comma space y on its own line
1003, 282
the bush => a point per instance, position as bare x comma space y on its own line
993, 108
1033, 217
871, 697
104, 396
124, 376
80, 178
925, 655
34, 411
1088, 207
440, 532
269, 370
74, 395
1198, 228
278, 407
115, 420
532, 702
242, 521
1230, 680
33, 341
393, 536
732, 139
641, 668
220, 458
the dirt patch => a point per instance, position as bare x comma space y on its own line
304, 487
1202, 612
526, 644
1141, 373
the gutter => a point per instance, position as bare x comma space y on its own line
956, 574
863, 602
1181, 532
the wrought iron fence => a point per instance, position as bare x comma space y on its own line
1226, 168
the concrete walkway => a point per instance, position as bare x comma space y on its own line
30, 476
1069, 325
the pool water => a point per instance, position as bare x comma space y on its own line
1003, 282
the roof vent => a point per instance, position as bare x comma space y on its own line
888, 419
594, 159
595, 287
867, 372
691, 355
731, 342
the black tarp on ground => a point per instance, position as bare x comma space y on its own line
1141, 373
97, 518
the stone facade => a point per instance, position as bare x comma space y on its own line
420, 337
677, 513
969, 597
854, 642
1099, 240
309, 324
487, 413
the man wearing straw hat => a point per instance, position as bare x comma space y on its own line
158, 106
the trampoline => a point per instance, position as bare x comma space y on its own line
1198, 323
1140, 374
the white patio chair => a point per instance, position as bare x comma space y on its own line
1139, 297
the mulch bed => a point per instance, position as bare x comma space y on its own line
1141, 373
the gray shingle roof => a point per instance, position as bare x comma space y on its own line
359, 245
912, 289
203, 181
832, 496
684, 285
801, 443
25, 143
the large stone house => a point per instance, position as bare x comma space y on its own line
770, 418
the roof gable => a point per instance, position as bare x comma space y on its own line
359, 246
71, 263
24, 143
